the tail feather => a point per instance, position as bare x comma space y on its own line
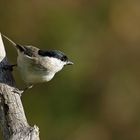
12, 42
17, 46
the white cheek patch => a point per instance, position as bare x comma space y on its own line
54, 64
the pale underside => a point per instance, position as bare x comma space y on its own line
38, 69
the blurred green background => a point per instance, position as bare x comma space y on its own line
98, 98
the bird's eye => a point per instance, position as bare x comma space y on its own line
64, 58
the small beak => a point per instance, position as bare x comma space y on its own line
69, 63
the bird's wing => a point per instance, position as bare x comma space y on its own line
37, 64
31, 53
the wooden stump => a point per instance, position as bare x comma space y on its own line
13, 121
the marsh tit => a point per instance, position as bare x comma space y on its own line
36, 65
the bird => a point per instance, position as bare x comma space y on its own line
37, 65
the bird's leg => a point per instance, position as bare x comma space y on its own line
28, 87
9, 67
20, 91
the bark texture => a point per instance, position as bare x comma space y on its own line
13, 121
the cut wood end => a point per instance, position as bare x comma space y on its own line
2, 49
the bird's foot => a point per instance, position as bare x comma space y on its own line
18, 91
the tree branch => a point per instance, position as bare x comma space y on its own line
13, 121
